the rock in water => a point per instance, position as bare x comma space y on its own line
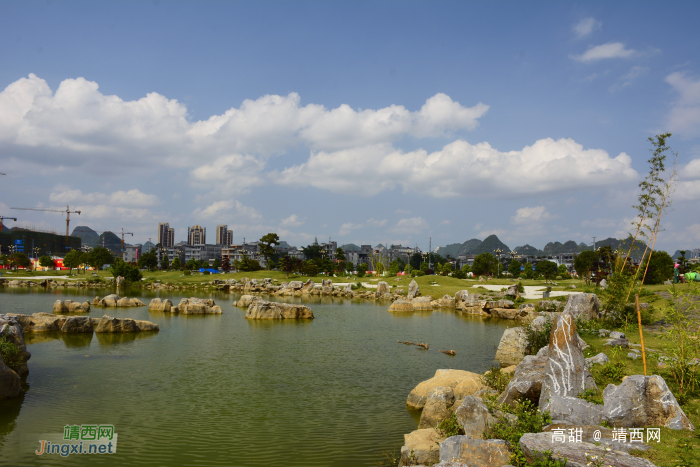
512, 347
641, 401
110, 324
160, 305
382, 288
421, 447
583, 305
401, 305
566, 373
463, 383
476, 452
77, 324
437, 407
413, 290
273, 310
422, 304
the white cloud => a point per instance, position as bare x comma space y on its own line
684, 116
626, 79
233, 173
531, 215
410, 225
687, 191
131, 198
348, 227
377, 223
292, 221
691, 170
586, 26
225, 209
445, 222
461, 168
609, 50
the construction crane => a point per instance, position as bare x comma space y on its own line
125, 233
103, 231
3, 218
67, 211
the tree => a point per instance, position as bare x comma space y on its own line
217, 264
310, 268
46, 262
125, 270
528, 270
148, 261
659, 266
266, 246
584, 262
415, 260
466, 268
98, 257
484, 264
72, 260
563, 270
286, 265
548, 269
514, 268
165, 263
361, 269
682, 261
349, 267
226, 264
394, 268
312, 251
4, 260
191, 264
176, 265
339, 254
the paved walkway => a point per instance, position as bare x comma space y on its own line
41, 278
531, 291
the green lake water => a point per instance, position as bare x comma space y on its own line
223, 390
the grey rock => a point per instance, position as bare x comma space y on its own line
110, 324
534, 445
603, 332
476, 452
575, 411
624, 343
603, 284
413, 290
421, 447
583, 305
617, 335
567, 373
511, 291
512, 346
460, 295
600, 359
632, 355
641, 401
437, 407
474, 417
538, 323
273, 310
77, 324
526, 382
295, 285
382, 288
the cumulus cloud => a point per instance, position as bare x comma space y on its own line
460, 168
585, 27
684, 116
445, 222
691, 170
226, 208
292, 221
410, 225
78, 125
530, 215
131, 198
609, 50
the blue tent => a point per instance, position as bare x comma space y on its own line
213, 271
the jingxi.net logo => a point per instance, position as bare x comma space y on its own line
79, 439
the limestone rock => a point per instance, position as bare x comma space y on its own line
461, 295
512, 347
10, 384
40, 322
12, 330
59, 307
422, 304
437, 407
273, 310
538, 323
463, 383
77, 324
421, 447
295, 285
600, 359
534, 445
136, 302
622, 342
382, 288
617, 335
575, 411
413, 290
160, 305
526, 382
110, 300
474, 417
567, 373
641, 401
146, 326
606, 436
445, 302
401, 305
583, 305
110, 324
512, 291
198, 306
477, 452
246, 300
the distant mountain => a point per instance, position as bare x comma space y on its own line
456, 249
556, 248
111, 241
677, 254
528, 250
350, 247
283, 245
147, 247
490, 244
87, 236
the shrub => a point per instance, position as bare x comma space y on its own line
420, 273
450, 427
430, 272
496, 379
10, 353
537, 339
459, 274
558, 278
206, 273
187, 272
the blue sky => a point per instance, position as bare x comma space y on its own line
367, 122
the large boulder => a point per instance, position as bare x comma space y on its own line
512, 347
463, 383
382, 288
160, 305
526, 382
10, 382
246, 300
59, 307
422, 304
11, 329
461, 296
401, 305
110, 324
437, 407
575, 411
583, 305
421, 447
109, 300
567, 373
474, 417
77, 324
476, 452
512, 291
446, 301
40, 322
641, 401
413, 290
295, 285
308, 287
534, 445
198, 306
273, 310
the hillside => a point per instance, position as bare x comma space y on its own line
456, 249
528, 250
350, 247
87, 236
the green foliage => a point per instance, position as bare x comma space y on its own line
246, 264
530, 420
459, 274
361, 269
484, 264
584, 263
206, 273
10, 353
148, 261
165, 263
613, 371
660, 268
450, 427
125, 270
420, 273
266, 246
537, 339
546, 460
217, 264
46, 262
177, 265
99, 256
528, 270
309, 268
548, 269
286, 264
592, 395
496, 379
340, 254
72, 259
187, 272
521, 289
514, 268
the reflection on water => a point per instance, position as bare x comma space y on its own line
223, 390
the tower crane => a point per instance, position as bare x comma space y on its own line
67, 211
3, 218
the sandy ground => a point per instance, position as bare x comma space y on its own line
531, 291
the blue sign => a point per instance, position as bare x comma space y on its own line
19, 242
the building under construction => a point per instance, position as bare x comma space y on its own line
25, 241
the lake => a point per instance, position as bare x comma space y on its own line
223, 390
